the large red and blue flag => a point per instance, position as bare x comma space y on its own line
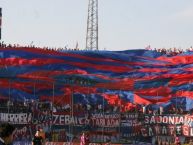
119, 77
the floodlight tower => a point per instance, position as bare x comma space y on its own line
92, 26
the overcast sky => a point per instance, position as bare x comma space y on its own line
123, 24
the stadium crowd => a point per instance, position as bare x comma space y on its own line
172, 51
66, 48
30, 106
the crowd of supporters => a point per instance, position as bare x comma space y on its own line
165, 51
170, 51
84, 108
46, 107
14, 107
65, 48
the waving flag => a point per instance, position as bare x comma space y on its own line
119, 77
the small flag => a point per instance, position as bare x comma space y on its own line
76, 45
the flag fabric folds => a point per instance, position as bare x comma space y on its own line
127, 78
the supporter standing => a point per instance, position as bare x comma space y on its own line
42, 134
177, 141
6, 133
37, 140
84, 139
108, 142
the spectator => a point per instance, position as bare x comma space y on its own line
42, 134
84, 139
6, 133
37, 140
177, 141
108, 142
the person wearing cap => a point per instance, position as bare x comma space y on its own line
6, 133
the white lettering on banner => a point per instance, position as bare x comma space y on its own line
146, 120
20, 132
55, 118
152, 120
191, 131
171, 129
178, 130
107, 116
105, 122
132, 116
157, 130
150, 132
185, 131
181, 120
61, 119
173, 120
165, 119
111, 120
188, 120
66, 120
166, 130
154, 130
19, 118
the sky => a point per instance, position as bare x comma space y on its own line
123, 24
